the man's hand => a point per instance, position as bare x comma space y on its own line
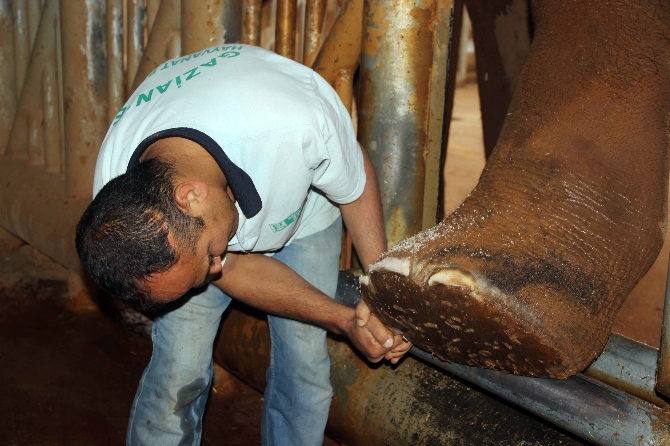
394, 345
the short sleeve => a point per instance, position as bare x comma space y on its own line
340, 173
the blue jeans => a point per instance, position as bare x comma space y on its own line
172, 393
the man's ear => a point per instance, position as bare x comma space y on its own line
190, 195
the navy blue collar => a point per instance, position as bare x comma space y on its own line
243, 187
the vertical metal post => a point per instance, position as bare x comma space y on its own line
137, 17
663, 375
402, 89
50, 113
285, 28
34, 10
115, 79
84, 45
164, 41
251, 22
8, 95
209, 22
315, 16
21, 42
152, 11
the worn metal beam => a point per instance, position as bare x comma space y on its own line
209, 22
164, 40
663, 377
402, 90
8, 88
285, 28
83, 40
251, 22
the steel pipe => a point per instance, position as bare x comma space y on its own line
663, 377
629, 366
83, 42
205, 23
53, 161
251, 22
137, 18
21, 42
164, 41
8, 86
315, 17
26, 139
402, 92
116, 93
595, 412
285, 28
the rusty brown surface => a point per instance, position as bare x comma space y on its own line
8, 88
83, 31
315, 16
136, 23
200, 27
27, 138
116, 82
21, 42
341, 51
251, 22
285, 28
161, 44
402, 88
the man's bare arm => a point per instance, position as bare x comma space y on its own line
364, 221
269, 285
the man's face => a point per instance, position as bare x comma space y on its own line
201, 265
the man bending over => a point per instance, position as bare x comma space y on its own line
219, 179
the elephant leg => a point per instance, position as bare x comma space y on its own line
501, 30
570, 212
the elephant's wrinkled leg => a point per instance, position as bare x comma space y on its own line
528, 274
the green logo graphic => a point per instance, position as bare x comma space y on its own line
276, 227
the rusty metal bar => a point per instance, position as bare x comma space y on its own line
35, 139
285, 28
340, 55
8, 87
137, 18
51, 115
402, 89
629, 366
21, 42
152, 12
26, 139
315, 16
663, 376
209, 22
595, 412
251, 22
34, 10
115, 83
164, 41
83, 31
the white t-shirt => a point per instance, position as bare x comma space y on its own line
276, 129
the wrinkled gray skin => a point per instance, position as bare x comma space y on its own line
528, 274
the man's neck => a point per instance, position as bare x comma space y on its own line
190, 159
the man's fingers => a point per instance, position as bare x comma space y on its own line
362, 314
379, 332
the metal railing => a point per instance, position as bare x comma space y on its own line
66, 68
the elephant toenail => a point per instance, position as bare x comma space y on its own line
454, 277
394, 265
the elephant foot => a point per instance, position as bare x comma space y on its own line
528, 274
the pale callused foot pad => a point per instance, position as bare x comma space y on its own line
455, 316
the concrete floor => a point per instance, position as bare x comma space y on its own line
68, 378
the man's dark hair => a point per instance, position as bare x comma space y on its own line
122, 238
